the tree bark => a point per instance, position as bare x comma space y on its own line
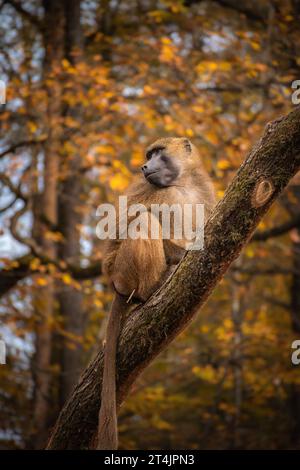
70, 299
151, 327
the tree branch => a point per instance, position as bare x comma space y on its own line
24, 143
5, 180
33, 19
9, 277
277, 231
255, 11
8, 206
151, 327
257, 271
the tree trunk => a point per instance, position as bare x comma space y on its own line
45, 299
151, 327
70, 299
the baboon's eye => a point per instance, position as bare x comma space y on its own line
187, 145
154, 152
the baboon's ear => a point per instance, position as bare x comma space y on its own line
187, 145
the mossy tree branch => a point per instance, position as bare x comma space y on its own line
151, 327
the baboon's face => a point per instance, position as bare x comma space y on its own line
161, 169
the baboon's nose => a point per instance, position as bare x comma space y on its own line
144, 168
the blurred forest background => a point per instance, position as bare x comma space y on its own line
89, 85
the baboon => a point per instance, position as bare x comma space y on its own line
172, 174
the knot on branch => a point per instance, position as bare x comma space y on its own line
271, 126
263, 191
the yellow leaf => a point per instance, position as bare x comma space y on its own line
41, 281
118, 182
255, 45
148, 90
137, 158
225, 66
32, 127
14, 264
65, 63
204, 329
161, 424
250, 252
167, 54
34, 264
54, 236
206, 373
223, 164
212, 137
106, 149
98, 303
252, 73
198, 109
206, 66
228, 323
66, 278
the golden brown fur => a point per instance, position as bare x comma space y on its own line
141, 265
